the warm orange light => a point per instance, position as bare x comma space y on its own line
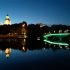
23, 25
7, 21
23, 48
7, 52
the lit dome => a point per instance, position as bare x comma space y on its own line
7, 21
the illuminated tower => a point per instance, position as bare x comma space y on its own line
7, 21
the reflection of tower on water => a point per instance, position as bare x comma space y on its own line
7, 52
24, 44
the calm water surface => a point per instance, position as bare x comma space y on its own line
25, 54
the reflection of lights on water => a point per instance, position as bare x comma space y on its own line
45, 42
38, 38
45, 33
23, 48
24, 33
49, 44
7, 55
7, 52
24, 40
60, 46
0, 51
54, 45
66, 47
44, 48
49, 32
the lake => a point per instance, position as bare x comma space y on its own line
31, 54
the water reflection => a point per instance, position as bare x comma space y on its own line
7, 52
6, 45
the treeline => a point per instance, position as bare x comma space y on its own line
37, 30
11, 29
33, 30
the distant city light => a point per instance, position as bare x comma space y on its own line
54, 31
60, 31
23, 25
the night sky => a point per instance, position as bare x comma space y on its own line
36, 11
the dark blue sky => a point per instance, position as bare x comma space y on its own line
36, 11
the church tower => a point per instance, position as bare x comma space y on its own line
7, 21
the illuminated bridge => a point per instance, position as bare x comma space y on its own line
60, 35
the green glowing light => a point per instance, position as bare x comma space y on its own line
57, 43
61, 34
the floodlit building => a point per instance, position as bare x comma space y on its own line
7, 20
